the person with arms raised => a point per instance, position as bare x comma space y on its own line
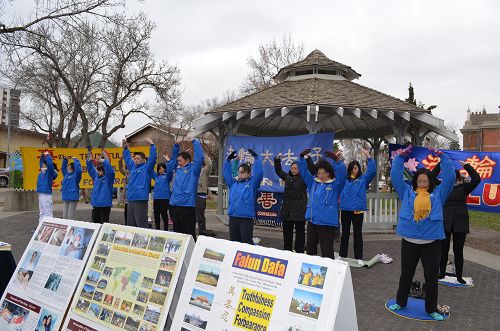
47, 175
72, 174
103, 177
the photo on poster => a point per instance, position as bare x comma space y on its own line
163, 278
105, 315
47, 321
312, 275
93, 277
156, 243
168, 262
107, 272
118, 320
94, 310
152, 314
132, 324
140, 240
147, 282
102, 284
145, 326
76, 242
23, 277
58, 237
142, 296
87, 291
82, 305
123, 238
108, 235
126, 306
108, 300
306, 303
12, 315
208, 274
172, 246
31, 260
213, 255
98, 263
44, 233
139, 310
53, 282
117, 303
195, 320
98, 296
103, 249
201, 299
158, 295
297, 325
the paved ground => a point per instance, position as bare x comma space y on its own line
473, 308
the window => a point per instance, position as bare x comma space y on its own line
303, 72
327, 72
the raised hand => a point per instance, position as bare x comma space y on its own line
366, 152
149, 141
305, 152
74, 158
279, 156
232, 156
339, 154
124, 143
462, 163
435, 150
407, 150
165, 155
251, 151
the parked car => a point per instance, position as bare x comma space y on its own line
4, 177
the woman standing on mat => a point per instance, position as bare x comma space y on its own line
48, 172
456, 219
353, 205
323, 205
294, 205
242, 195
103, 176
72, 174
421, 226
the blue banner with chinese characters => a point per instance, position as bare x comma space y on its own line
486, 197
269, 147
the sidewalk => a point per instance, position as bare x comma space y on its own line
473, 308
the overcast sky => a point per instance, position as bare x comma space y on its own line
449, 50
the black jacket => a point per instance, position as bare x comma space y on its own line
455, 212
294, 203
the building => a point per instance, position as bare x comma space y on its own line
10, 104
482, 131
18, 137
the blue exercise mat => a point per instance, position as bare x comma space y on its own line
415, 310
452, 281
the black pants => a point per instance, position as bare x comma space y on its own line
100, 214
300, 235
241, 229
349, 217
322, 234
201, 205
137, 213
125, 214
160, 210
184, 219
458, 252
429, 255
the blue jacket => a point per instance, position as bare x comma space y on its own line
432, 227
140, 175
323, 201
162, 182
186, 179
353, 196
71, 181
45, 179
102, 192
242, 193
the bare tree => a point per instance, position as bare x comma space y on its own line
435, 140
57, 11
272, 57
87, 76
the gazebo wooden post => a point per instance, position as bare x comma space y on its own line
220, 185
375, 143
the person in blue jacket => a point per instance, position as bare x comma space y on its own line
242, 197
184, 188
353, 205
323, 202
103, 177
421, 226
72, 174
139, 183
161, 190
48, 172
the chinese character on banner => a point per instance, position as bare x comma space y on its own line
315, 154
288, 157
267, 200
431, 161
266, 182
282, 182
245, 157
483, 167
229, 150
267, 157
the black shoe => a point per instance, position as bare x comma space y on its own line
441, 276
461, 280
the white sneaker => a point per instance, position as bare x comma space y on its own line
361, 263
256, 240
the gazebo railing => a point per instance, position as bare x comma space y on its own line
382, 213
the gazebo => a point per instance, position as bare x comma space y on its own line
319, 95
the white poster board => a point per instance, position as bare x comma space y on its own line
41, 288
130, 280
234, 286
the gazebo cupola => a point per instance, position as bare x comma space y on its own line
316, 65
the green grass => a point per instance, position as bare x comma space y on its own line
485, 220
211, 204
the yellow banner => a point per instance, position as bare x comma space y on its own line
31, 163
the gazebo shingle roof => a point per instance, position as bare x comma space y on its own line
323, 92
